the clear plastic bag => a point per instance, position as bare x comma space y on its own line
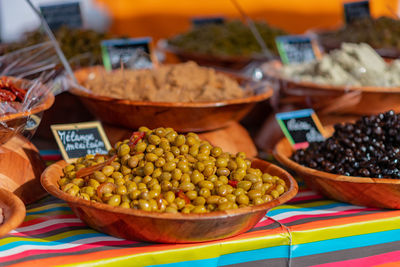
33, 75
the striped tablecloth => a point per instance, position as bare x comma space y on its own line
309, 230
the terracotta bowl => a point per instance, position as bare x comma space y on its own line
328, 99
370, 192
17, 121
183, 117
13, 211
221, 61
167, 227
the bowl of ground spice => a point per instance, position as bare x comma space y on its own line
184, 96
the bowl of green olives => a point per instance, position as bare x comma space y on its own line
161, 186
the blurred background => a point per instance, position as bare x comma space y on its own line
165, 18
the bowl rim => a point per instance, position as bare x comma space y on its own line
17, 209
325, 87
268, 92
45, 104
285, 159
55, 191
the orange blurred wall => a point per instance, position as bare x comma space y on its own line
165, 18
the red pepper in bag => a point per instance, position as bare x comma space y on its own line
10, 92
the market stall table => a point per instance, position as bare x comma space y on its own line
311, 231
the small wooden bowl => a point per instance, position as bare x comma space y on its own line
13, 211
183, 117
167, 227
221, 61
330, 99
370, 192
16, 121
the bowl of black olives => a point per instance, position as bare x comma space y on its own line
359, 163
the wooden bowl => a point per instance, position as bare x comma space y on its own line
183, 117
222, 61
328, 99
167, 227
370, 192
13, 211
20, 169
16, 122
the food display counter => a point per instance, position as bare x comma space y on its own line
201, 145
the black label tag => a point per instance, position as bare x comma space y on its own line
131, 53
295, 48
301, 127
57, 15
79, 139
356, 10
200, 21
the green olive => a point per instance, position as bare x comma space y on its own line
258, 201
140, 147
169, 196
199, 209
150, 148
184, 149
133, 162
213, 199
254, 194
124, 205
274, 194
151, 157
179, 202
185, 186
122, 190
93, 183
197, 177
267, 198
176, 174
199, 201
115, 200
144, 205
108, 170
154, 139
131, 186
216, 151
242, 199
123, 150
221, 162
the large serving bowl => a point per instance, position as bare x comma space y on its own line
15, 123
13, 211
183, 117
167, 227
221, 61
330, 99
370, 192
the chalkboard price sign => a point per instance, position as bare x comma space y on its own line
200, 21
356, 10
79, 139
57, 15
296, 48
133, 53
301, 127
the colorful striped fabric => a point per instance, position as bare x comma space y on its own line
307, 231
321, 232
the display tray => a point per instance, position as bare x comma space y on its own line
182, 116
370, 192
168, 227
